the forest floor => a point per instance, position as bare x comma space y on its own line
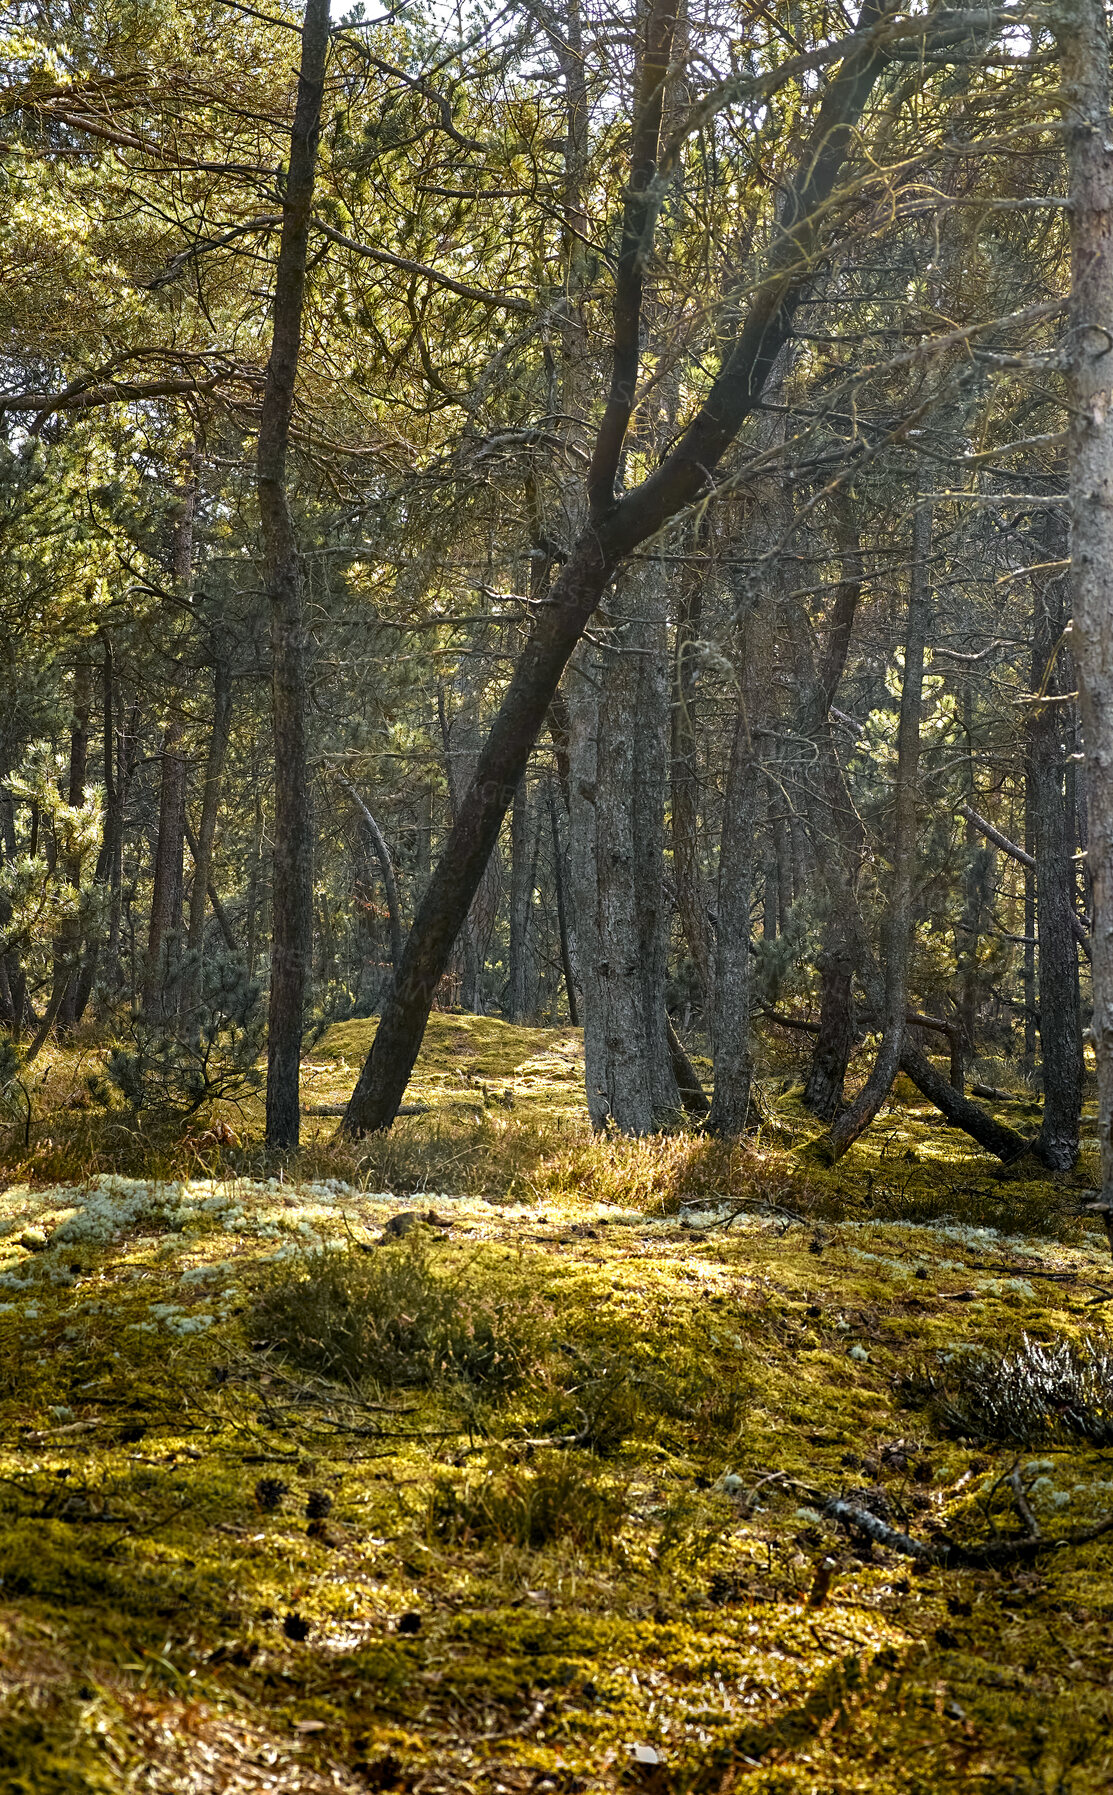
532, 1496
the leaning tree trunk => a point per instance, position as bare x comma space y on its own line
1080, 26
292, 890
618, 524
1060, 1019
847, 1127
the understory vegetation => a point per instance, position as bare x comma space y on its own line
497, 1456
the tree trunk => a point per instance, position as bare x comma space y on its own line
559, 885
68, 951
846, 1128
108, 871
1053, 845
160, 990
521, 896
730, 1102
292, 893
206, 834
834, 1044
691, 899
620, 731
386, 867
1080, 27
616, 527
468, 945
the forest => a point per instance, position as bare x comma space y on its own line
556, 897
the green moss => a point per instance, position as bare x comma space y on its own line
645, 1579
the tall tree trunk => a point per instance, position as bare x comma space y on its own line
386, 867
834, 1044
1028, 965
730, 1103
831, 824
68, 952
620, 731
256, 899
468, 943
521, 895
847, 1127
292, 893
617, 524
206, 833
1053, 846
560, 887
691, 899
160, 989
107, 869
1080, 26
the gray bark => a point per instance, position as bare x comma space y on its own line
847, 1127
1060, 1019
730, 1104
618, 751
386, 867
206, 834
1080, 26
691, 898
164, 933
521, 895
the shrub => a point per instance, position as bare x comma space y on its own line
393, 1319
200, 1042
555, 1497
1033, 1392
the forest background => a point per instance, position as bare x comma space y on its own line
306, 613
556, 897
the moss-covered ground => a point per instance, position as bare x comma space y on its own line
224, 1570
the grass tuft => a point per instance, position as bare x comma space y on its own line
557, 1498
392, 1319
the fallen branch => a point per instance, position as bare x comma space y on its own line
949, 1554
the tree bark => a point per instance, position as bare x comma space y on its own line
68, 951
206, 833
730, 1102
615, 528
559, 885
521, 895
467, 946
292, 893
834, 1043
1080, 27
619, 773
386, 867
160, 989
691, 898
108, 870
1060, 1022
847, 1127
